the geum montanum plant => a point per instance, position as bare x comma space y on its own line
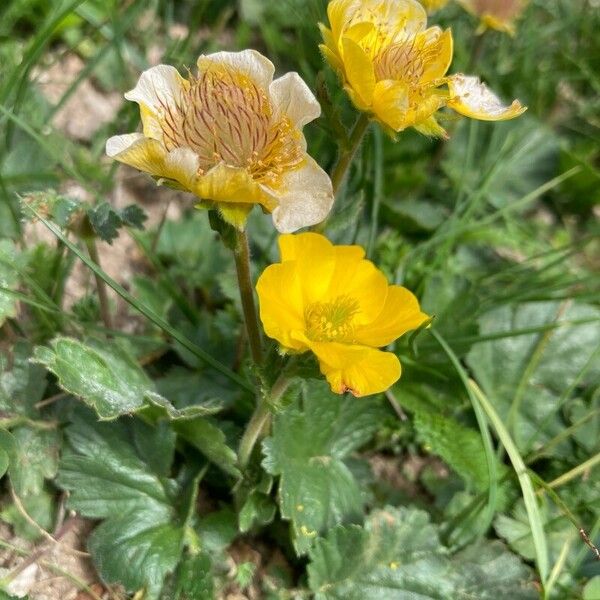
232, 136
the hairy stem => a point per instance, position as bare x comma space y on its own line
347, 155
259, 421
242, 266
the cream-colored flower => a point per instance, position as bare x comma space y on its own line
232, 136
496, 14
394, 68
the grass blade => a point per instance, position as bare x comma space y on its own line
531, 505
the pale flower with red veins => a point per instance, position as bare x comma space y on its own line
232, 136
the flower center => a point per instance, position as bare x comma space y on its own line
224, 117
331, 321
401, 61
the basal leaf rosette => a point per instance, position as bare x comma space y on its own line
496, 14
232, 136
332, 301
394, 68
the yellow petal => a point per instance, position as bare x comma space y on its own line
251, 63
439, 50
339, 13
426, 106
291, 97
390, 103
225, 183
356, 369
470, 97
179, 165
304, 196
400, 313
335, 62
281, 304
361, 280
314, 260
431, 128
360, 73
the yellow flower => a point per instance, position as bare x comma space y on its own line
496, 14
330, 300
232, 136
433, 5
393, 67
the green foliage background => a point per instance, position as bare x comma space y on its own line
470, 479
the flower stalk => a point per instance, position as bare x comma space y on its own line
259, 421
347, 155
242, 267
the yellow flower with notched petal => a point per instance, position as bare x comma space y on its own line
330, 300
394, 68
232, 136
496, 14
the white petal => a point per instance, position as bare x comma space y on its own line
472, 98
292, 97
249, 62
118, 143
306, 200
157, 87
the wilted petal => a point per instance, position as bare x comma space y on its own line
291, 97
305, 197
470, 97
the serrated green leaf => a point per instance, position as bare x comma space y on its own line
40, 507
9, 280
515, 529
460, 447
22, 383
525, 376
146, 514
192, 581
35, 459
106, 379
258, 510
217, 530
105, 221
307, 450
206, 436
398, 555
133, 216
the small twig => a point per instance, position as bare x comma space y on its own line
51, 400
21, 508
396, 405
586, 540
37, 554
100, 285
